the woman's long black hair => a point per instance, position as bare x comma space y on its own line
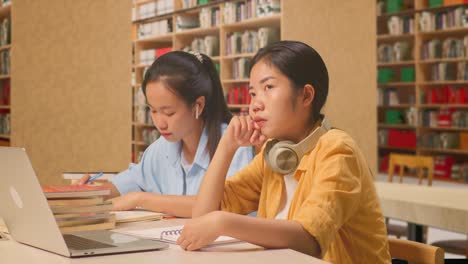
189, 78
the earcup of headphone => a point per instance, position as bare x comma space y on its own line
281, 157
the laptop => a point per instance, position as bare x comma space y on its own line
30, 221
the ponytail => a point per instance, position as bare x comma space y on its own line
216, 110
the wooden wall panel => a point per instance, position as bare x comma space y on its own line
343, 32
71, 95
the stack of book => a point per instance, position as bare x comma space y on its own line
80, 207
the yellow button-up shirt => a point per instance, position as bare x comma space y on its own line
335, 199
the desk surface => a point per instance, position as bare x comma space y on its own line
439, 207
13, 252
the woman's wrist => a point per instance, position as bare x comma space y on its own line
142, 199
229, 147
222, 220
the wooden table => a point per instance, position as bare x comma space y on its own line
245, 253
440, 207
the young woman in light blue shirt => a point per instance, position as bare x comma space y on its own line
187, 106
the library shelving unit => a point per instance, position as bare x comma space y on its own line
422, 83
5, 47
212, 27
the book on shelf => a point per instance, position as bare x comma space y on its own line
148, 56
445, 95
388, 97
5, 62
208, 45
445, 48
209, 17
431, 21
238, 11
187, 22
5, 31
5, 92
268, 7
155, 8
250, 41
400, 25
70, 191
170, 235
153, 29
4, 122
444, 118
238, 95
399, 51
240, 68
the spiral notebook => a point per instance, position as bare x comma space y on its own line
170, 235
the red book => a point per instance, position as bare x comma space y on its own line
69, 191
236, 95
162, 51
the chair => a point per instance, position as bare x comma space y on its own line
459, 247
415, 252
411, 162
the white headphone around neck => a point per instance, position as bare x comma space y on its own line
284, 156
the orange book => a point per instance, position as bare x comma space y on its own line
69, 191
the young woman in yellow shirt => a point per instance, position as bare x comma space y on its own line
313, 190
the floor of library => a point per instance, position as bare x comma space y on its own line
433, 234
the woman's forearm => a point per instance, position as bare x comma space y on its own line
211, 189
269, 233
176, 205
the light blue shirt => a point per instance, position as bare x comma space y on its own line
160, 170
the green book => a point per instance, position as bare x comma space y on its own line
407, 74
393, 6
385, 75
393, 117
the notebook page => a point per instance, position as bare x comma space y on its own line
169, 234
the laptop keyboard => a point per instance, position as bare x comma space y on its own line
80, 243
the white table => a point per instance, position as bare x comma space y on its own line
12, 252
440, 207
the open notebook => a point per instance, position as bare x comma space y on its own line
170, 235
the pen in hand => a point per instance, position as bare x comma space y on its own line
94, 177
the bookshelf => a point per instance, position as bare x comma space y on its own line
423, 83
5, 48
178, 26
